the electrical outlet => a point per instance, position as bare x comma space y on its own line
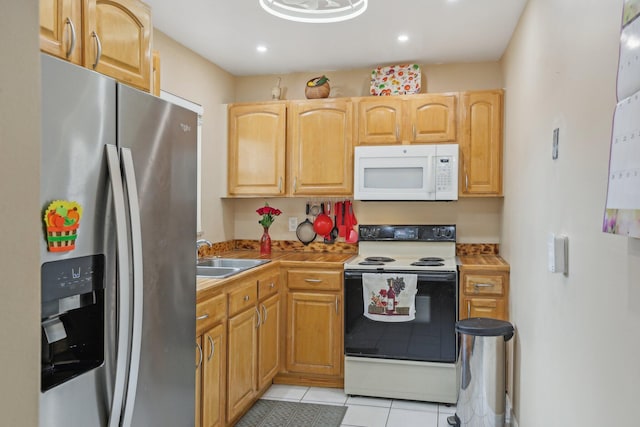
293, 223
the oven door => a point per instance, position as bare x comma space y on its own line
429, 337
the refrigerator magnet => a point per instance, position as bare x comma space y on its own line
62, 219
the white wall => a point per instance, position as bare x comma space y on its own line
20, 210
357, 82
577, 346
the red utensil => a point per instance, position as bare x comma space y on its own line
352, 235
342, 231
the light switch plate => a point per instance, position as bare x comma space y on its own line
558, 253
293, 223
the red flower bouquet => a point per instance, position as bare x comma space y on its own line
268, 215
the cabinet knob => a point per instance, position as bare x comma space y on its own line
246, 298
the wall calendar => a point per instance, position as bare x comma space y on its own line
622, 212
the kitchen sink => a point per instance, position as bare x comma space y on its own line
219, 268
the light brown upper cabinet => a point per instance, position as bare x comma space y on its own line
481, 144
414, 119
257, 142
61, 29
110, 37
117, 38
320, 147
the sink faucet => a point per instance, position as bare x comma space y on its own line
202, 242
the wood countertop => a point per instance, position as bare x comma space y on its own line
205, 286
483, 262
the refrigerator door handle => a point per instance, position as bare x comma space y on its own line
138, 281
122, 352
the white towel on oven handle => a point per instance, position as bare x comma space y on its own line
376, 306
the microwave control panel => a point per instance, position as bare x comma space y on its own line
444, 173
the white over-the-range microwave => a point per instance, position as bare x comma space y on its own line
406, 172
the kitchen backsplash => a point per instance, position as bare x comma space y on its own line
478, 220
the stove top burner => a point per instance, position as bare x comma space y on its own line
431, 259
371, 263
380, 259
428, 263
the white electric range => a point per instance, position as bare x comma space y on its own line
417, 357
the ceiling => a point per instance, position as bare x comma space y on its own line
227, 32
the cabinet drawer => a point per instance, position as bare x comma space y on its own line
494, 308
210, 312
243, 296
268, 285
314, 279
484, 284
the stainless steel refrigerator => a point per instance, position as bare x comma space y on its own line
118, 290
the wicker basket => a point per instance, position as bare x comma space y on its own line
315, 92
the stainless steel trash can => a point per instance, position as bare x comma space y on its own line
481, 401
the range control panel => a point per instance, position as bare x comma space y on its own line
411, 233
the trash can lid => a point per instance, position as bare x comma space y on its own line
485, 327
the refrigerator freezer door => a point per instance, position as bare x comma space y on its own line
162, 140
78, 119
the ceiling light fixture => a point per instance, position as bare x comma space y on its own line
403, 38
261, 48
315, 11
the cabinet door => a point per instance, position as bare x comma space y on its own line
61, 29
242, 341
432, 118
483, 307
314, 333
199, 359
321, 151
213, 377
118, 40
268, 340
481, 144
257, 138
379, 121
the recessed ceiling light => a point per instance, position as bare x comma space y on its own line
315, 11
403, 38
261, 48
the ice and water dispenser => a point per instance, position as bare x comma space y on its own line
72, 318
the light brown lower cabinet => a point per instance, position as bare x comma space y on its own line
484, 293
314, 313
211, 361
213, 376
241, 367
268, 340
253, 340
240, 346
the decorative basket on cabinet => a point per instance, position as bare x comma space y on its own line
317, 87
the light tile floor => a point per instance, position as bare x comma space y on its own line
368, 411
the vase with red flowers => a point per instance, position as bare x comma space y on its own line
268, 214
